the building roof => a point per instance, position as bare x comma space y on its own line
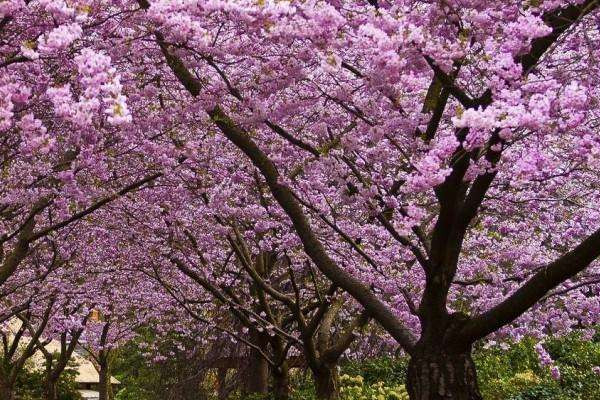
86, 373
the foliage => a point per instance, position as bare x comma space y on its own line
30, 385
386, 369
144, 378
507, 372
514, 372
355, 387
352, 387
140, 380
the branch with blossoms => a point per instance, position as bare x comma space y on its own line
458, 201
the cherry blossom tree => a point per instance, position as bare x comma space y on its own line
16, 350
68, 326
436, 161
67, 137
437, 124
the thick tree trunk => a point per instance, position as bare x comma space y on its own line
51, 391
281, 383
256, 376
6, 392
327, 382
442, 376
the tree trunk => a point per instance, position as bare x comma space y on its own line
327, 382
222, 391
281, 382
6, 392
256, 375
51, 391
442, 376
104, 386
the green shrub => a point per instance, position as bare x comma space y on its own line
30, 385
509, 373
515, 373
355, 388
384, 369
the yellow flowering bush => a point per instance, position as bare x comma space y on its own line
353, 388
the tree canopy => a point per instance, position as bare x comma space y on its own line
282, 174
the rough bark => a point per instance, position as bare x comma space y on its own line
6, 392
256, 379
51, 391
281, 383
104, 386
442, 376
327, 382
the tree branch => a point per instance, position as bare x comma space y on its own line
286, 199
534, 289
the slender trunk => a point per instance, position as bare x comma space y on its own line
327, 382
50, 389
222, 383
104, 386
442, 376
281, 382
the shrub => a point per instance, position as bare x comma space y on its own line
514, 373
355, 388
384, 369
30, 385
